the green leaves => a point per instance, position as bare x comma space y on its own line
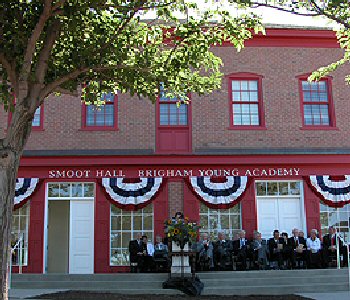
113, 45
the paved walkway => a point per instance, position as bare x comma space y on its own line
15, 294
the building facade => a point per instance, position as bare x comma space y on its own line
242, 157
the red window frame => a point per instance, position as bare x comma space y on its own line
331, 111
84, 126
246, 77
34, 128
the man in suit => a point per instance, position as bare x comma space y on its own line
297, 245
330, 246
135, 249
259, 248
240, 250
222, 251
204, 249
276, 248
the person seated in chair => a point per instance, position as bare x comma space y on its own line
259, 248
298, 249
276, 248
313, 245
135, 249
204, 248
241, 248
286, 251
222, 252
330, 246
160, 254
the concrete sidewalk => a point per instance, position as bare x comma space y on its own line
15, 294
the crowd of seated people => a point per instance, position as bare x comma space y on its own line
277, 252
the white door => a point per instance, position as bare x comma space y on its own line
267, 216
81, 250
278, 213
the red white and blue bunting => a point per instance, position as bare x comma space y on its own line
334, 193
132, 194
219, 194
24, 188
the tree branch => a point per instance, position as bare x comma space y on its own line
329, 15
29, 53
10, 70
53, 86
51, 36
280, 8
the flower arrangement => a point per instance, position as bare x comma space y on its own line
181, 231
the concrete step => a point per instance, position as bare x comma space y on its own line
226, 283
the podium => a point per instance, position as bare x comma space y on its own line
182, 275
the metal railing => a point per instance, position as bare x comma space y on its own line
19, 247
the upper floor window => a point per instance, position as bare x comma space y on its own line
37, 122
169, 113
246, 101
101, 117
316, 101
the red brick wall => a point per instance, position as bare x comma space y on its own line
210, 114
175, 197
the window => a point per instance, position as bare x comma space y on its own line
124, 227
246, 101
317, 107
340, 219
70, 190
280, 188
20, 227
101, 117
38, 120
169, 113
214, 221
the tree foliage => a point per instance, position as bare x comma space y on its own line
335, 10
108, 45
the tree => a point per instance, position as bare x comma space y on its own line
51, 46
335, 10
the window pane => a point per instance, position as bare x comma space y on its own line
261, 188
64, 190
254, 120
307, 96
253, 85
272, 189
36, 119
294, 188
283, 188
77, 190
244, 85
245, 120
236, 96
237, 108
253, 96
173, 120
237, 120
254, 109
245, 108
236, 85
245, 96
88, 189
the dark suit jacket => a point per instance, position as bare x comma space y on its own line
327, 241
273, 244
134, 248
293, 244
236, 245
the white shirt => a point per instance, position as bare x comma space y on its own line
150, 249
313, 245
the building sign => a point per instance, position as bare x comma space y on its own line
171, 172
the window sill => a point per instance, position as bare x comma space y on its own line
247, 127
98, 129
37, 129
314, 128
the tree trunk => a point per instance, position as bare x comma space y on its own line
9, 163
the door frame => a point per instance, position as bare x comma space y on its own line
46, 216
301, 197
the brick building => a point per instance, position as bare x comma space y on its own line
241, 157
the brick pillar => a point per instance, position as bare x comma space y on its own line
175, 197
